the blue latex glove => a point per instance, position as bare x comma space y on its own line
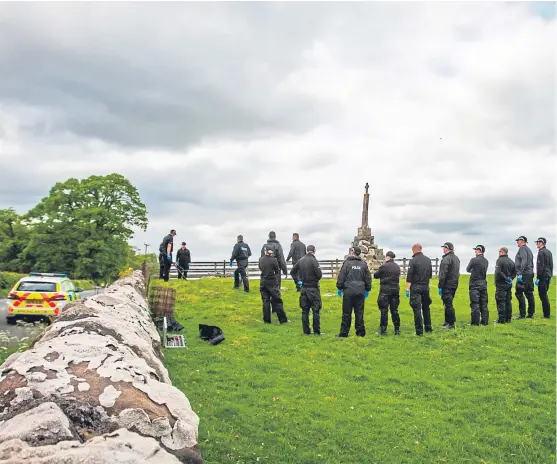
169, 257
407, 293
299, 283
230, 263
510, 281
537, 282
366, 294
519, 278
440, 291
339, 292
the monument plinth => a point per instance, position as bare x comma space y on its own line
371, 253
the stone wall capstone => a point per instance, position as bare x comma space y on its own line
94, 389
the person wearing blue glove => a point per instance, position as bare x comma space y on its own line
477, 287
524, 265
339, 293
449, 275
544, 271
309, 273
241, 253
505, 272
165, 255
354, 280
417, 284
389, 293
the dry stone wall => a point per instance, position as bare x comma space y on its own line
94, 389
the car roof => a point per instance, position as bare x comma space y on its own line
40, 278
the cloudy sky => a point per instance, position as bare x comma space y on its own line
248, 117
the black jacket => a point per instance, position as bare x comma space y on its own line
544, 263
478, 270
269, 271
354, 277
389, 274
449, 271
524, 261
183, 256
164, 245
275, 245
308, 271
504, 270
419, 270
241, 251
297, 251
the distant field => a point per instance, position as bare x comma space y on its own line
269, 394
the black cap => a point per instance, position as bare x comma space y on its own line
172, 231
357, 250
310, 248
448, 245
480, 247
183, 243
523, 238
390, 254
542, 239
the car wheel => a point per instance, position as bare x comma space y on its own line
11, 320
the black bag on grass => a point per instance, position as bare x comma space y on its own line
211, 333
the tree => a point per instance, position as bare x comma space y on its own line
82, 227
13, 239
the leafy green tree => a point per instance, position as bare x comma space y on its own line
13, 239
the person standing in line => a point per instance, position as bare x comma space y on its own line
417, 288
269, 288
297, 252
274, 245
389, 293
449, 275
504, 274
183, 258
524, 264
477, 287
308, 274
165, 255
241, 253
354, 281
544, 272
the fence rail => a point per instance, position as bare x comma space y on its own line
329, 267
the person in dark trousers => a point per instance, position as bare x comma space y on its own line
504, 274
417, 288
307, 274
477, 287
165, 255
183, 258
544, 272
354, 285
269, 288
389, 293
241, 253
297, 252
449, 274
524, 264
274, 245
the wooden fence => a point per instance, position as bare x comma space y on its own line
329, 267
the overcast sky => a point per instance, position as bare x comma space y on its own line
248, 117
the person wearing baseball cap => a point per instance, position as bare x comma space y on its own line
477, 287
354, 281
504, 274
269, 286
449, 275
389, 293
183, 259
165, 255
544, 272
241, 253
524, 263
307, 274
417, 288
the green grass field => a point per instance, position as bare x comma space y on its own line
270, 394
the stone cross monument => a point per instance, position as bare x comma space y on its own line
371, 254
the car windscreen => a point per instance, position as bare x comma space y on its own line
37, 287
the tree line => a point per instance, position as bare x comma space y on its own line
82, 228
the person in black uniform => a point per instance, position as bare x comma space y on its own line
269, 288
524, 264
274, 245
165, 255
417, 288
477, 287
308, 274
544, 272
241, 253
354, 280
449, 274
297, 251
183, 258
504, 274
389, 293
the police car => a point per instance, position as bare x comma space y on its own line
40, 296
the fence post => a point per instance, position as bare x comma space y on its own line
436, 266
404, 270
